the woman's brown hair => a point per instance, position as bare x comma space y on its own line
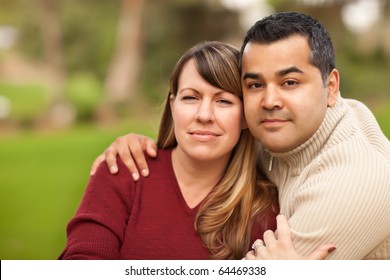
224, 220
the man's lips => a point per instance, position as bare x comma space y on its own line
273, 123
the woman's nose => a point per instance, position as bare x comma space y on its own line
205, 111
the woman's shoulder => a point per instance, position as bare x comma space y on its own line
162, 155
163, 158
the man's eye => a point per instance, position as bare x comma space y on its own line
256, 85
291, 83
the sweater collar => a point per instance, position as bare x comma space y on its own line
302, 155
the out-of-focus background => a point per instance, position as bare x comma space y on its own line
74, 75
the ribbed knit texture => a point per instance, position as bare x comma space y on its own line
149, 219
335, 188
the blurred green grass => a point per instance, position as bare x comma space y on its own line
383, 117
43, 176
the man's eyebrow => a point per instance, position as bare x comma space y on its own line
250, 75
281, 73
289, 70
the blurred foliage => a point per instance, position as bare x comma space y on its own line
88, 31
84, 91
364, 77
27, 100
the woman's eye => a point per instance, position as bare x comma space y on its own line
225, 101
188, 98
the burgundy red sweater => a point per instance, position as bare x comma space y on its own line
148, 219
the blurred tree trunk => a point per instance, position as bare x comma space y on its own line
386, 30
121, 84
59, 113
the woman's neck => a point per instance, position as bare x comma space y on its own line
196, 177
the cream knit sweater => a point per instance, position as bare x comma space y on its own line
335, 188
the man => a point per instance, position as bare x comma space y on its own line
327, 155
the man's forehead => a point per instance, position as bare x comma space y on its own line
285, 54
290, 41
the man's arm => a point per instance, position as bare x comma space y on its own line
130, 149
342, 207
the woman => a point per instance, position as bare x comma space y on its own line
203, 200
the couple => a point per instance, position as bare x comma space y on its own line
326, 155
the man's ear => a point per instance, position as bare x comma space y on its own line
333, 86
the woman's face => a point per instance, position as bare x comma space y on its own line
207, 120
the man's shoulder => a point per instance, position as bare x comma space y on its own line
356, 152
358, 134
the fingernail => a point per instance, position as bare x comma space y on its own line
135, 176
113, 169
331, 249
144, 172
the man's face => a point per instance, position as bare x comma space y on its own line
285, 99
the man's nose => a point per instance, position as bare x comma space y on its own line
271, 98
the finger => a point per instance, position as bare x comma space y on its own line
126, 157
283, 233
121, 147
283, 229
250, 255
259, 248
96, 163
110, 157
131, 150
257, 243
321, 252
150, 147
269, 237
137, 151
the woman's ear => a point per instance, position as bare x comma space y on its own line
171, 100
333, 86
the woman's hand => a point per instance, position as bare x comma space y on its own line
130, 149
278, 246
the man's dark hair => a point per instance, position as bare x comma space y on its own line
280, 26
